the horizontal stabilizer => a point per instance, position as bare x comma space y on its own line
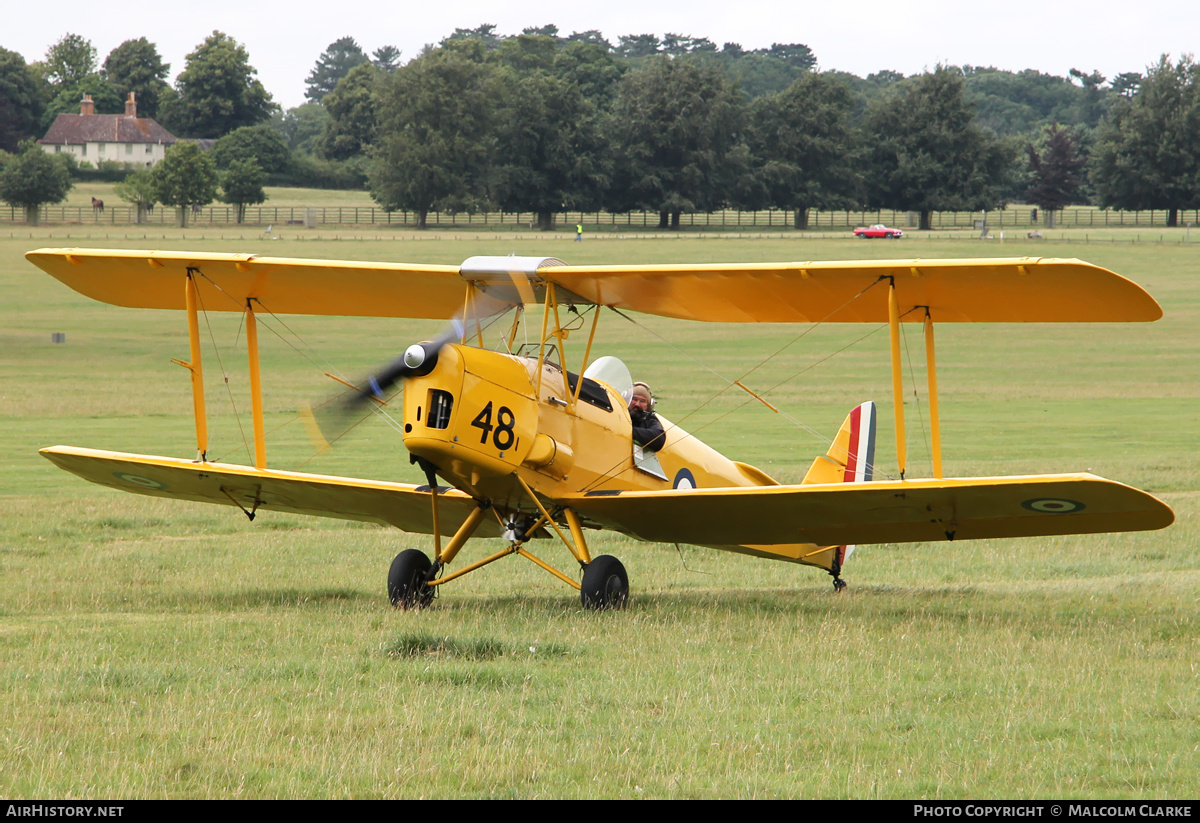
391, 504
881, 512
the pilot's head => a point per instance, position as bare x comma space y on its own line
641, 399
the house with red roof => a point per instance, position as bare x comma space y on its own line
137, 142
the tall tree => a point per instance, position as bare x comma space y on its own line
592, 37
485, 34
638, 45
550, 156
70, 60
334, 63
1094, 104
353, 114
794, 54
678, 45
591, 68
1012, 103
186, 177
262, 144
135, 66
219, 90
673, 129
1147, 155
550, 30
34, 178
301, 126
436, 123
386, 59
807, 148
1126, 83
527, 52
242, 185
20, 101
105, 98
928, 152
1056, 171
138, 189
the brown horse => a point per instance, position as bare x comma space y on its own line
97, 205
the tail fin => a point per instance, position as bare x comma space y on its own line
851, 459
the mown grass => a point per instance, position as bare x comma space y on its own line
155, 649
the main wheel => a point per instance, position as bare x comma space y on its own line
407, 588
605, 584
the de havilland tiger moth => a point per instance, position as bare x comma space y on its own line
515, 445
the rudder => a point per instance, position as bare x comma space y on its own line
850, 459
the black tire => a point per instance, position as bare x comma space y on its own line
605, 584
406, 580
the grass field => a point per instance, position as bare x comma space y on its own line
158, 649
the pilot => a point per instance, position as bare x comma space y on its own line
647, 430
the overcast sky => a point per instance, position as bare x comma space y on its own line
284, 39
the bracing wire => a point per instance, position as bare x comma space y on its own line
224, 372
296, 342
730, 383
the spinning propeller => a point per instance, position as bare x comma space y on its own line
500, 283
418, 360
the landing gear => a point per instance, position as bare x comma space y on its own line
839, 584
407, 580
605, 584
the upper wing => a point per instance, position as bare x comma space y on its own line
879, 512
154, 280
983, 290
980, 291
393, 504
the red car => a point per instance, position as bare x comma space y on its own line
879, 230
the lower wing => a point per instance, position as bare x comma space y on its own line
393, 504
878, 512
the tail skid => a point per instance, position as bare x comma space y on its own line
850, 459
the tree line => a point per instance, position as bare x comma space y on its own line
542, 122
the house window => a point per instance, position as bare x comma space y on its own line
84, 153
149, 149
129, 148
101, 148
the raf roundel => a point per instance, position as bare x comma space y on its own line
685, 480
138, 480
1053, 505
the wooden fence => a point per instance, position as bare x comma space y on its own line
1023, 218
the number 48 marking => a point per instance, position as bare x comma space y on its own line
502, 432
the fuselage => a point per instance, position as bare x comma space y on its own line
485, 419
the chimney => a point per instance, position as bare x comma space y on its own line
86, 106
131, 106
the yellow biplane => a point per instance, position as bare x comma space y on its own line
531, 450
